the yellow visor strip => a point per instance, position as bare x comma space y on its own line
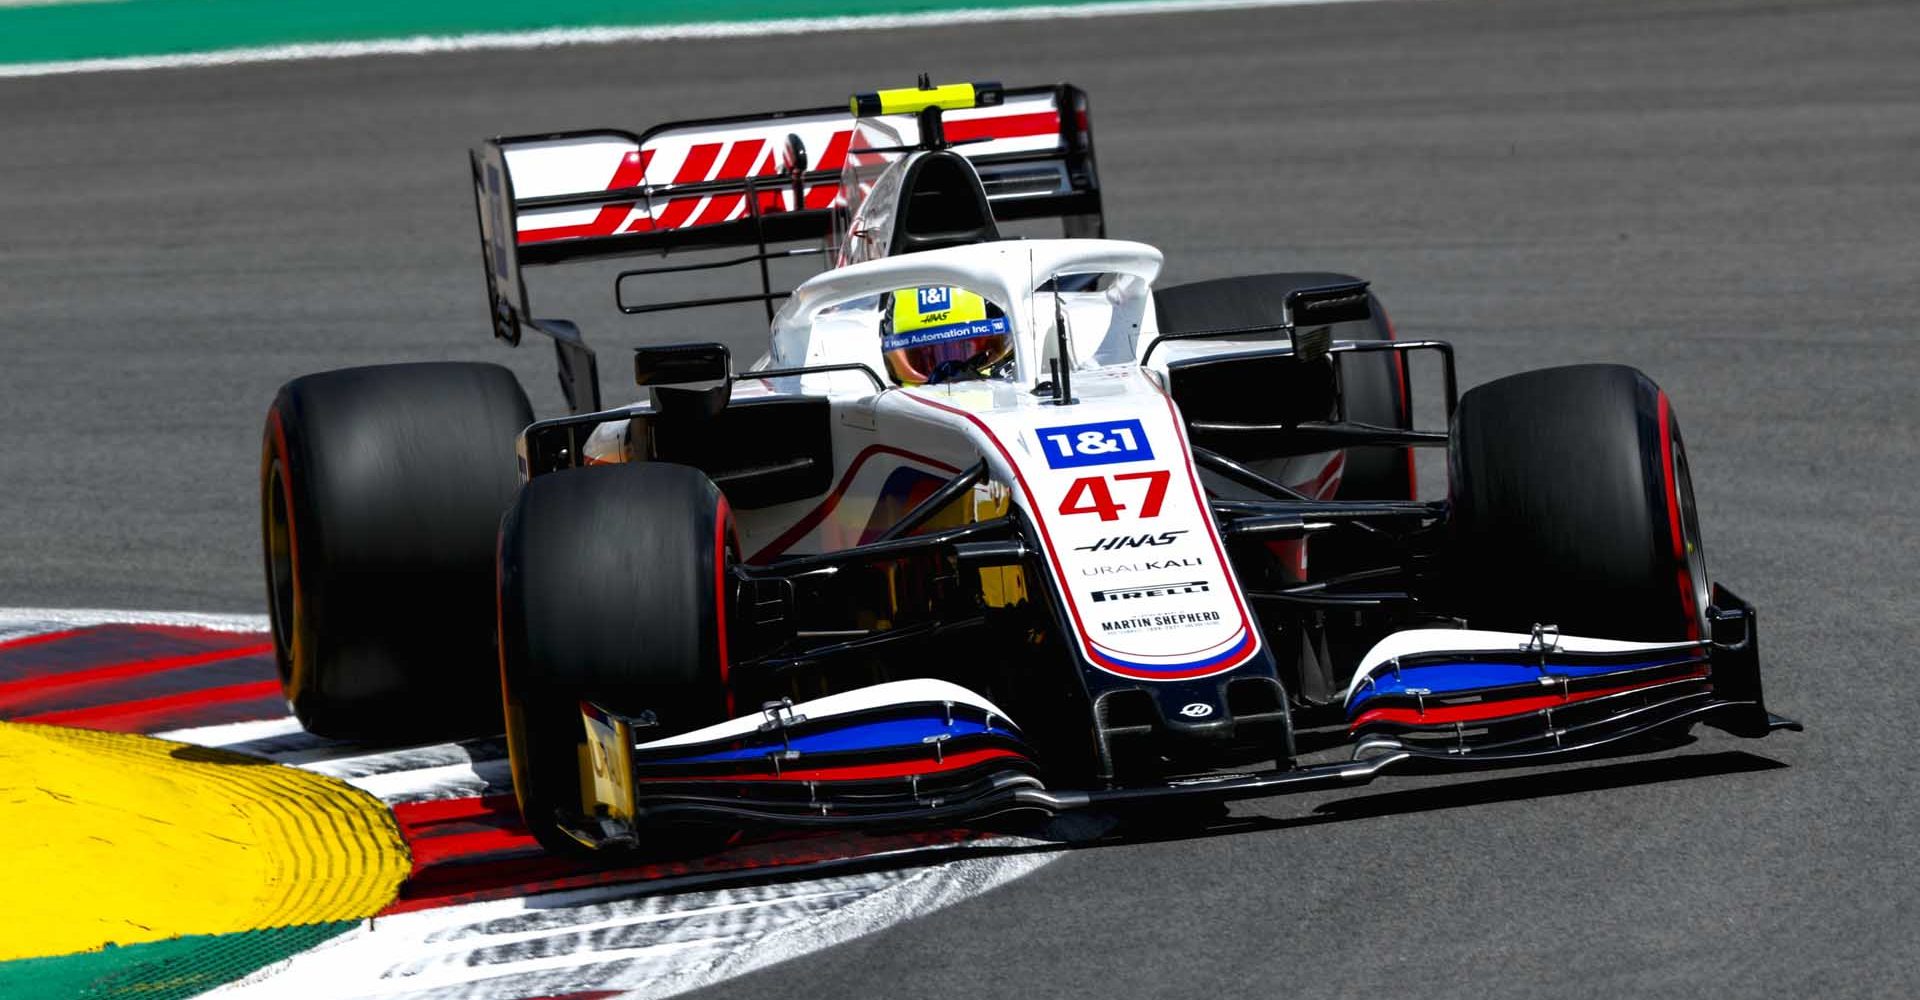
920, 308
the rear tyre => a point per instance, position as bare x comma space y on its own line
1376, 392
613, 588
1375, 385
1572, 506
381, 493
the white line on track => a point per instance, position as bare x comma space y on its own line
237, 734
17, 622
450, 781
485, 41
343, 765
393, 775
606, 938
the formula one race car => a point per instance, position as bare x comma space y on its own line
995, 526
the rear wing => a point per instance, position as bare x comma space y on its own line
749, 181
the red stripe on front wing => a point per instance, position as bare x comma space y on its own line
1488, 711
859, 772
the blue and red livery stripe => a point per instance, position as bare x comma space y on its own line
955, 761
879, 735
1441, 679
1172, 672
1507, 708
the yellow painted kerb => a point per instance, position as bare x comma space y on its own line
115, 838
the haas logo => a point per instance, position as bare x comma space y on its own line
1131, 541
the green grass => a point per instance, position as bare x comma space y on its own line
65, 32
159, 970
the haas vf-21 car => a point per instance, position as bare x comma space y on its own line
995, 525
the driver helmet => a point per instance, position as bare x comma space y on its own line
938, 333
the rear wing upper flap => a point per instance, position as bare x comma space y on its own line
749, 181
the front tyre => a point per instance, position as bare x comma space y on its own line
613, 588
1572, 506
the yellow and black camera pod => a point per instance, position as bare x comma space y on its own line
913, 100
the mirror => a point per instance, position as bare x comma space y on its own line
674, 364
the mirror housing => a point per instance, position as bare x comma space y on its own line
675, 364
1310, 312
668, 367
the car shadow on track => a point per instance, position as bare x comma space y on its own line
1091, 831
1455, 794
1572, 781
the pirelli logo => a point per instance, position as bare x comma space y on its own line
1163, 590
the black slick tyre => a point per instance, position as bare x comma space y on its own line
613, 587
1572, 507
381, 494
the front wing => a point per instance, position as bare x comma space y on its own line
922, 752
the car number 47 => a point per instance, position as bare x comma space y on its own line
1094, 495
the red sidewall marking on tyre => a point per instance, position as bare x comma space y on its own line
284, 458
1688, 606
723, 519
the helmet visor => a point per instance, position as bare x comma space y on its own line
938, 334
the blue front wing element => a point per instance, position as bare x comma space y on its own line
868, 735
1440, 679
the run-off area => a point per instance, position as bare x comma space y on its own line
483, 912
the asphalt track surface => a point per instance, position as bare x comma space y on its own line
1723, 194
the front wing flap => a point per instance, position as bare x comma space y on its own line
929, 752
